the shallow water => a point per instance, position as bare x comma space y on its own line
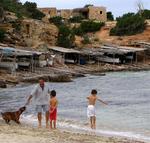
128, 95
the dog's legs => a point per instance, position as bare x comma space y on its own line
17, 121
7, 121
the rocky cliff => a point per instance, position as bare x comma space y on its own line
27, 32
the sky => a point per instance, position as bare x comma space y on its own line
117, 7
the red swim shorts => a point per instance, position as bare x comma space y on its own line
53, 113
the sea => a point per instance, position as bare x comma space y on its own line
126, 115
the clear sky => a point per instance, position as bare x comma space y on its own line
118, 7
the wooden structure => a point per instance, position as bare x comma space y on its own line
68, 55
121, 54
14, 59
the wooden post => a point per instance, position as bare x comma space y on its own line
79, 59
113, 58
136, 57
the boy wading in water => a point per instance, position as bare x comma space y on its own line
53, 109
91, 108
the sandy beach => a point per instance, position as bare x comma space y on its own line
24, 134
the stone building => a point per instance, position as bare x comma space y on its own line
91, 12
97, 13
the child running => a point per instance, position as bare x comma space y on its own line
53, 109
91, 109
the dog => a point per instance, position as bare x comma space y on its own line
15, 116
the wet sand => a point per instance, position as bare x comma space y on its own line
26, 134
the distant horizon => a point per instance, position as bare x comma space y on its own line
117, 7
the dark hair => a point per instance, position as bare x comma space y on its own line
53, 93
41, 78
94, 91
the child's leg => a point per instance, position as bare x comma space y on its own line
54, 123
50, 124
91, 122
94, 122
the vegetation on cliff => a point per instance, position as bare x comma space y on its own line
129, 24
146, 14
66, 36
28, 9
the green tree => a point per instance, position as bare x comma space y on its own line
110, 16
87, 5
128, 24
65, 37
146, 14
32, 10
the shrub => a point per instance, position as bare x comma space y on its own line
91, 26
57, 20
128, 24
76, 19
86, 40
65, 37
77, 31
2, 34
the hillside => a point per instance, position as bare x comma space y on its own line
103, 35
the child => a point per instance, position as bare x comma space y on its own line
91, 109
53, 109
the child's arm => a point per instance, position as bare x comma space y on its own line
102, 101
54, 107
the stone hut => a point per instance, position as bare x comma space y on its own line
97, 13
91, 12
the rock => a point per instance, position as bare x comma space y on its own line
50, 78
3, 84
36, 31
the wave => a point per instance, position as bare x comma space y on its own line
84, 128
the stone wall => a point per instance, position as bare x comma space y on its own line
97, 13
66, 13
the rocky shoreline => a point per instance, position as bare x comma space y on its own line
59, 74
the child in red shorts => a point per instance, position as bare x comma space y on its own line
53, 109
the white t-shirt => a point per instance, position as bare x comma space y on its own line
41, 97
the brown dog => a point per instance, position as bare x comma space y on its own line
15, 116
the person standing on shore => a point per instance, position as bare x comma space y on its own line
53, 109
91, 108
40, 95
